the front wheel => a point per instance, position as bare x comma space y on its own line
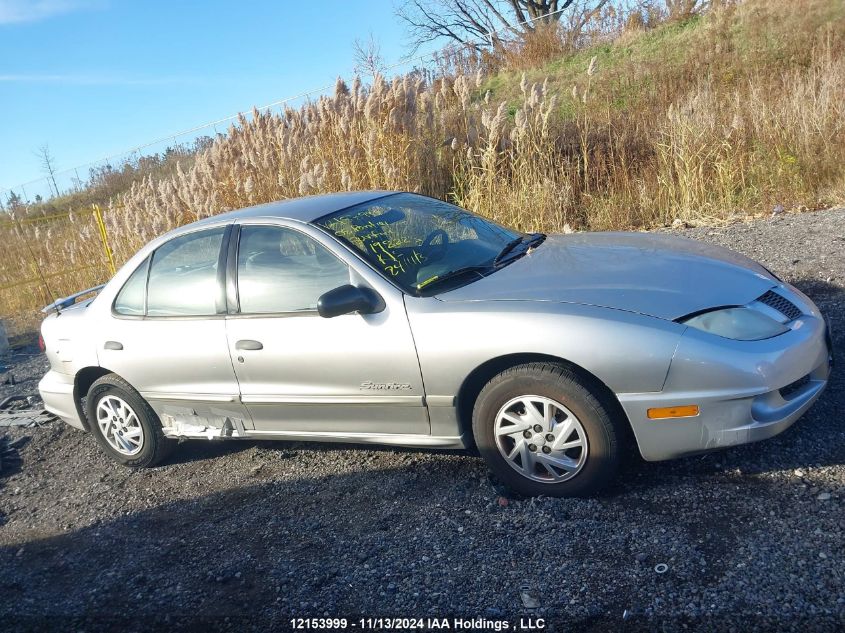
125, 425
543, 431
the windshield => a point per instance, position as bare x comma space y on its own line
416, 241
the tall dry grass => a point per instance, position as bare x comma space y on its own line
708, 149
698, 122
46, 257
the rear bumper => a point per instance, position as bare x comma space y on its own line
745, 390
57, 393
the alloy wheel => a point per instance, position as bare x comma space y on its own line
541, 439
120, 425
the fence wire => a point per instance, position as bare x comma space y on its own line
48, 257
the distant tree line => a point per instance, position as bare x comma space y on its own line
104, 181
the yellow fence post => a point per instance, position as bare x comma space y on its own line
104, 236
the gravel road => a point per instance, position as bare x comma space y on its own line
244, 535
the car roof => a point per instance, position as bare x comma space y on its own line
306, 209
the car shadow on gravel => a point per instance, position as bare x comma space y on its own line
202, 450
231, 553
10, 463
412, 540
823, 293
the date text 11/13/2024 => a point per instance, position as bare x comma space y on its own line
419, 624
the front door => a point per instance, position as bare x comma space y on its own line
299, 372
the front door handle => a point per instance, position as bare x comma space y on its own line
115, 345
248, 344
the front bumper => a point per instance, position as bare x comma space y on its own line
745, 390
57, 393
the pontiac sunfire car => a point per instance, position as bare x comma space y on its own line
393, 318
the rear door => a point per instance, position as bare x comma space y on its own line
299, 372
167, 334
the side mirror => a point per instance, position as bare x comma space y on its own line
347, 299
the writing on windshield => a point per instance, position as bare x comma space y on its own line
412, 239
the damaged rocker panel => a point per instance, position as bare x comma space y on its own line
204, 427
186, 422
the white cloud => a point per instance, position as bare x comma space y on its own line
17, 11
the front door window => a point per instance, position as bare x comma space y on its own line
282, 270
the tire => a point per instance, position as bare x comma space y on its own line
551, 461
126, 444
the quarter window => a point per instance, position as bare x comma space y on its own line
283, 270
130, 299
183, 275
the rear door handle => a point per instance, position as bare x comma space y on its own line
248, 344
115, 345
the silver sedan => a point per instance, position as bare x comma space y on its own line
393, 318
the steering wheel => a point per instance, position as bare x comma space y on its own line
438, 250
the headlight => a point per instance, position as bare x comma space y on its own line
741, 324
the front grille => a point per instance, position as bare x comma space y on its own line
781, 304
792, 388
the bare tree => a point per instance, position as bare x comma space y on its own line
683, 9
48, 165
476, 23
576, 25
367, 55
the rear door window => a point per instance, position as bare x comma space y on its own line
183, 275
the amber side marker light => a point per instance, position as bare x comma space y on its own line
686, 411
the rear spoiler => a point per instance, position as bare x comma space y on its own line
60, 304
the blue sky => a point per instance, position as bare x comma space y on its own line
95, 77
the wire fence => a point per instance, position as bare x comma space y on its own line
50, 257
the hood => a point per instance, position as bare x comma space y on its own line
658, 275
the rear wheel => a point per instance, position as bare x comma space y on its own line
544, 431
125, 425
